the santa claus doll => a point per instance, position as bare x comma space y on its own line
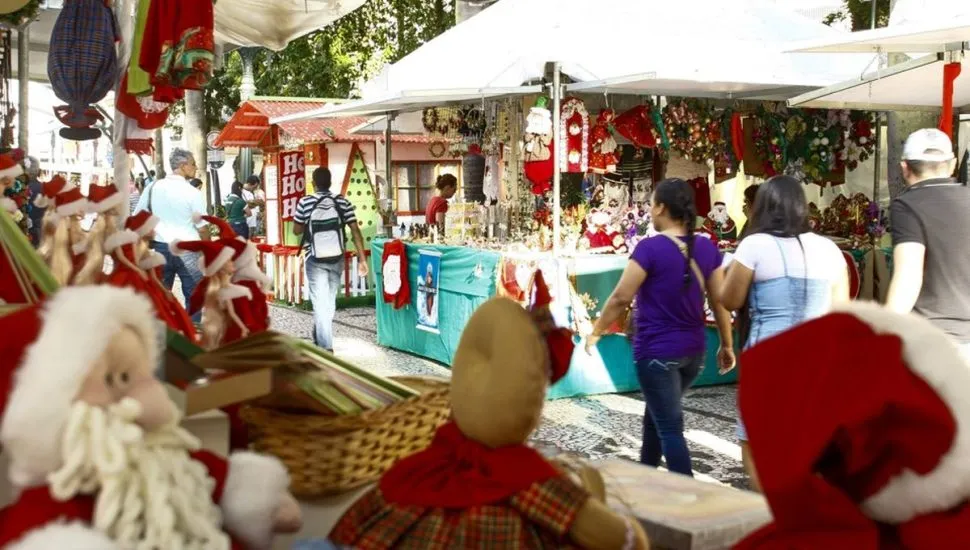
95, 448
602, 145
538, 163
222, 323
67, 247
246, 273
143, 224
719, 224
871, 452
105, 201
48, 193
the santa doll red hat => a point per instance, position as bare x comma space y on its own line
91, 436
142, 223
50, 190
104, 197
859, 427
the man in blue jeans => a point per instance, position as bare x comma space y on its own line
324, 277
175, 202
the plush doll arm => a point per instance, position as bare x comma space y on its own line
255, 500
36, 521
598, 528
76, 536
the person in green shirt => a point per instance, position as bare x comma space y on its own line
237, 210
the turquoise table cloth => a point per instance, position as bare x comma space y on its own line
468, 279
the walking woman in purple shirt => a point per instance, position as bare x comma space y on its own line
669, 274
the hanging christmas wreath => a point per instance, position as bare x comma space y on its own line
770, 140
694, 129
430, 120
25, 14
860, 139
437, 149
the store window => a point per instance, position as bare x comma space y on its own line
414, 183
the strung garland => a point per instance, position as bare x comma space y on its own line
464, 121
23, 15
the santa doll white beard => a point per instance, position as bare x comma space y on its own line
719, 215
149, 493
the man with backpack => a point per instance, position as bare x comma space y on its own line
321, 220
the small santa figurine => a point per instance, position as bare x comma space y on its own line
222, 323
143, 224
95, 449
719, 224
107, 202
246, 273
600, 236
538, 163
66, 254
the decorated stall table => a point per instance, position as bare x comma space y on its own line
426, 294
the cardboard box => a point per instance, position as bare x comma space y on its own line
195, 391
679, 512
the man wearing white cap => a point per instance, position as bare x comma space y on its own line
930, 224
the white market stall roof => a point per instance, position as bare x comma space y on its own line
406, 101
275, 23
911, 86
705, 48
932, 37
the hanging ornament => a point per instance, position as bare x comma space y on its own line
602, 154
537, 158
574, 132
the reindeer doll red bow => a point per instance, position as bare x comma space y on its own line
559, 340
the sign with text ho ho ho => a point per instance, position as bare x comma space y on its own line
292, 183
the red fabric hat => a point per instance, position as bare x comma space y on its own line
142, 223
215, 254
145, 111
50, 190
558, 340
70, 202
9, 167
45, 354
246, 254
862, 436
636, 126
102, 198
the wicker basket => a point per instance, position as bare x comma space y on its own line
329, 455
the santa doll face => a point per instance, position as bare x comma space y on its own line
123, 371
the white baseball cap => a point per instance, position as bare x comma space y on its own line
929, 145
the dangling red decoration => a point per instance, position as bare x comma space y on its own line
950, 73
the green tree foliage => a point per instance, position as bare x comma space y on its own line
333, 61
859, 14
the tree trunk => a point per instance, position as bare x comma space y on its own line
195, 135
158, 159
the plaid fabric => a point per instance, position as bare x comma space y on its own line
82, 63
537, 518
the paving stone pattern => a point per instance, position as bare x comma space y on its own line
603, 426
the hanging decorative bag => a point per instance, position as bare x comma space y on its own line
82, 64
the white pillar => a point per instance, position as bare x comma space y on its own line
556, 177
23, 82
195, 133
122, 171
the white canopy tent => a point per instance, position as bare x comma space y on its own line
912, 85
739, 51
274, 23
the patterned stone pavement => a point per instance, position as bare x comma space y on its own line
603, 426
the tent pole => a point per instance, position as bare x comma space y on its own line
876, 176
556, 177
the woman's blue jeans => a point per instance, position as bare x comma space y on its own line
241, 229
664, 382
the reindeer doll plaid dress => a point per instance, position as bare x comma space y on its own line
82, 63
539, 517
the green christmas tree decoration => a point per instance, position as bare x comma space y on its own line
360, 192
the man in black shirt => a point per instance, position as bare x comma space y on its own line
930, 224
